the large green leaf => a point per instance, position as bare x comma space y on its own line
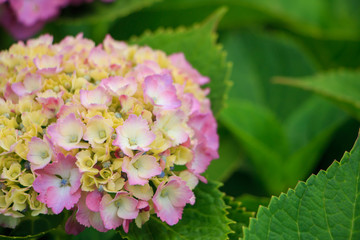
342, 87
199, 46
331, 53
261, 136
337, 19
278, 151
206, 219
33, 227
276, 126
257, 58
326, 206
94, 19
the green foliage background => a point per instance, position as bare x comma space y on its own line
293, 108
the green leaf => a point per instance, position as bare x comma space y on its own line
262, 137
309, 131
337, 19
239, 215
34, 227
93, 19
278, 151
199, 46
206, 219
342, 87
332, 53
326, 206
259, 57
277, 127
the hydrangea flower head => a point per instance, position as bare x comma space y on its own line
113, 133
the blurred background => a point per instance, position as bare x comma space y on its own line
271, 135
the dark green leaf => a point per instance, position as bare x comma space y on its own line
33, 227
326, 206
261, 136
342, 87
259, 57
338, 19
279, 127
94, 19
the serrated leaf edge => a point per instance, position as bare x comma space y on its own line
293, 190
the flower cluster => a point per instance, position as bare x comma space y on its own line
23, 18
112, 132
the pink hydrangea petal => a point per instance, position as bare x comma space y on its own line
126, 224
166, 211
48, 65
59, 198
160, 91
178, 60
170, 199
202, 159
97, 98
43, 182
87, 217
98, 57
72, 226
93, 200
134, 134
141, 168
180, 193
45, 39
37, 148
148, 166
127, 207
83, 214
108, 212
49, 183
64, 130
205, 128
97, 223
132, 173
172, 123
9, 94
120, 86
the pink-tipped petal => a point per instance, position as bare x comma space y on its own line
67, 132
126, 207
134, 134
59, 198
97, 98
72, 226
160, 91
171, 198
179, 61
39, 154
93, 200
118, 86
108, 212
141, 168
